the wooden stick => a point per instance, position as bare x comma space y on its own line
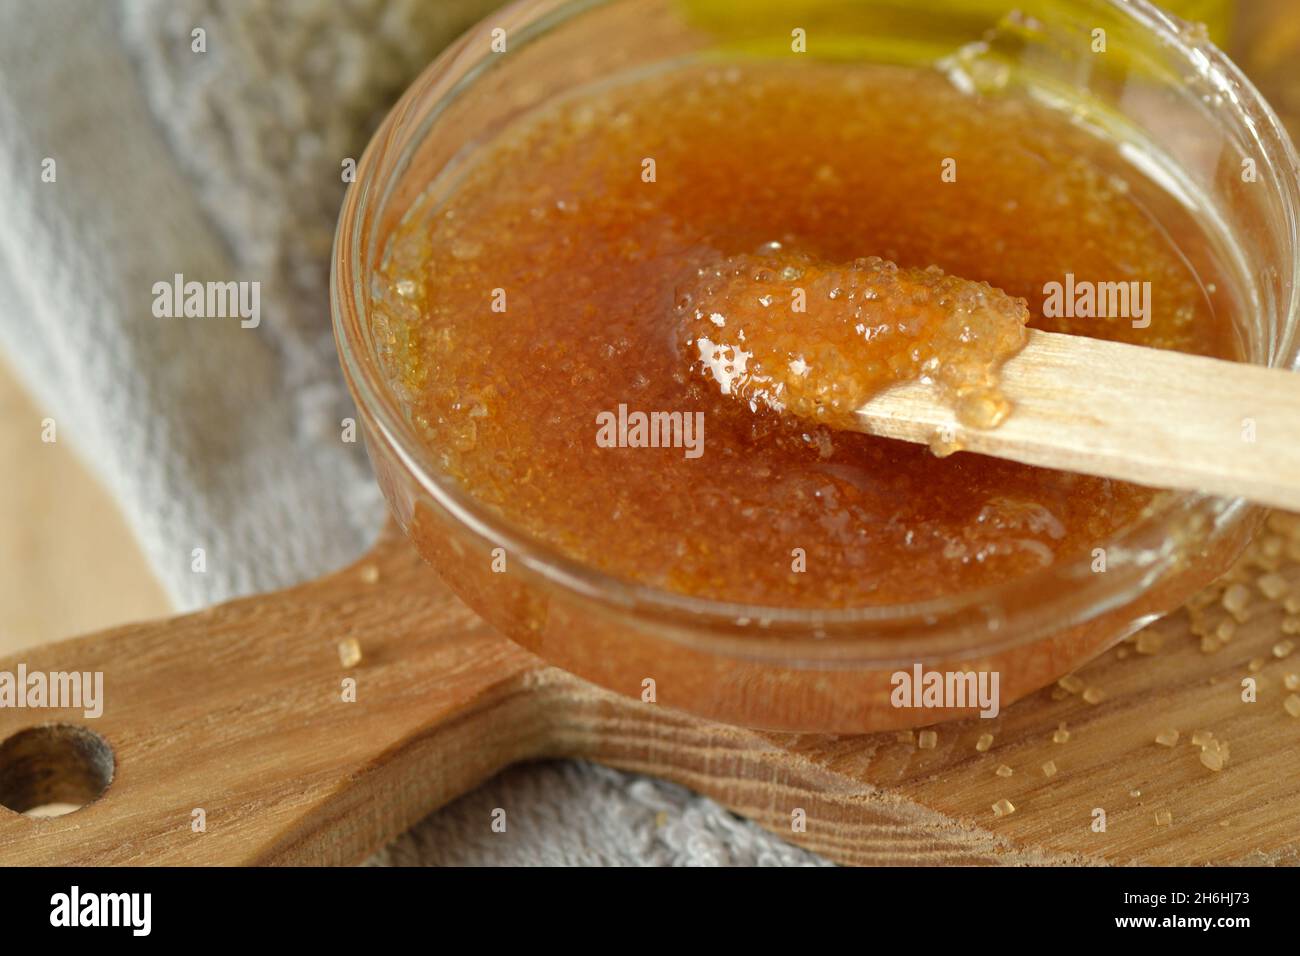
1144, 415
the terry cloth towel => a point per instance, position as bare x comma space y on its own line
224, 165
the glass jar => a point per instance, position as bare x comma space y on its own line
1180, 109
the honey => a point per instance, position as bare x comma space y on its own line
544, 285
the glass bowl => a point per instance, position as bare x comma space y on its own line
1178, 106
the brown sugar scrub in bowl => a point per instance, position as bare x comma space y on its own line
526, 290
591, 266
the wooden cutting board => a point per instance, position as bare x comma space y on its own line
238, 712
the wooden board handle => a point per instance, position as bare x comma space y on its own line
238, 712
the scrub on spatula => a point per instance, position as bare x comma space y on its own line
817, 340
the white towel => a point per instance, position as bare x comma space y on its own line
225, 165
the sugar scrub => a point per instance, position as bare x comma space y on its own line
541, 286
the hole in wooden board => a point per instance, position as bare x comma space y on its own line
54, 769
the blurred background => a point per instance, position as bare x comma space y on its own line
219, 157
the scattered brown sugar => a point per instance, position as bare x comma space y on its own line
369, 573
984, 743
1214, 752
350, 652
782, 331
1270, 550
1094, 695
1164, 818
1004, 771
1236, 599
1292, 705
1221, 753
1149, 641
1291, 682
1256, 665
1272, 585
1049, 769
1003, 807
833, 162
1167, 738
1283, 649
1061, 735
1071, 684
927, 739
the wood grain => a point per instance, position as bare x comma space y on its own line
238, 711
1154, 417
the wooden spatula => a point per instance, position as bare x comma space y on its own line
1123, 411
811, 338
